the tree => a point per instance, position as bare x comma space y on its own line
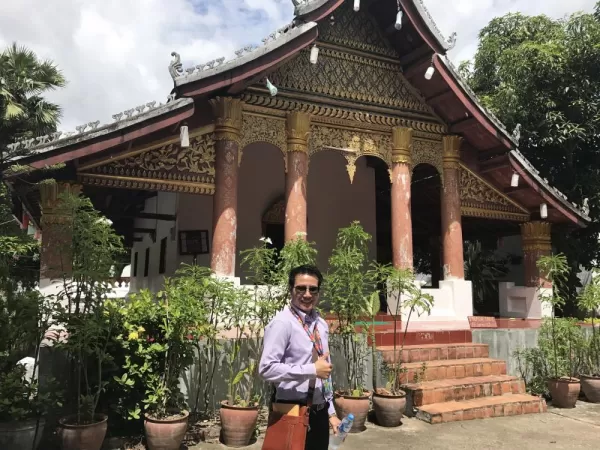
544, 74
24, 113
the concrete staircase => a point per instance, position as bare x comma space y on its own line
455, 382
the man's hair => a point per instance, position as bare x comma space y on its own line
305, 269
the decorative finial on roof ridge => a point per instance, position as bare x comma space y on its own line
516, 134
175, 66
451, 41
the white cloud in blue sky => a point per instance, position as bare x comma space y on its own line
115, 53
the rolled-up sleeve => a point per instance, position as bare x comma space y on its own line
271, 369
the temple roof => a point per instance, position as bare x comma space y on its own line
420, 45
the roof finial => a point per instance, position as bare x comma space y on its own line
175, 67
516, 134
451, 41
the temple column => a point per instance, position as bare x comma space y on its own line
451, 214
56, 259
536, 243
228, 124
298, 129
402, 246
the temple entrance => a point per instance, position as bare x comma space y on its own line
426, 191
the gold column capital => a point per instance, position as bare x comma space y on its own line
298, 129
536, 235
451, 151
51, 202
228, 118
402, 144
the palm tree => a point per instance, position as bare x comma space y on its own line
24, 113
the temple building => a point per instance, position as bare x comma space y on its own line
341, 115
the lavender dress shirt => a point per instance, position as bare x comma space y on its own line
287, 357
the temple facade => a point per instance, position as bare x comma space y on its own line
342, 115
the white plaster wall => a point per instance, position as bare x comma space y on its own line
334, 203
261, 182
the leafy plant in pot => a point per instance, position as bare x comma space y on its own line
160, 334
389, 403
564, 387
85, 321
348, 291
589, 301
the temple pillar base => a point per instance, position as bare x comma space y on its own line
522, 302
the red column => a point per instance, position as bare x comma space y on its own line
56, 260
451, 218
228, 124
537, 242
402, 247
298, 128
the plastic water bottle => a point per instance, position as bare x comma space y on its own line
336, 440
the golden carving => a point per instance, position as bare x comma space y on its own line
451, 151
298, 129
261, 128
351, 167
358, 142
428, 152
481, 199
536, 236
150, 184
402, 145
351, 77
366, 118
228, 118
356, 30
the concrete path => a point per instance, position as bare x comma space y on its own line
558, 429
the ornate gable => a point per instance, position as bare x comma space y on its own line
161, 167
481, 199
355, 64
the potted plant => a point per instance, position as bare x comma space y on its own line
389, 403
589, 301
239, 412
563, 386
160, 334
348, 292
85, 321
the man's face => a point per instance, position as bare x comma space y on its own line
305, 293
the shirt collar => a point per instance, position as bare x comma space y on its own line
306, 318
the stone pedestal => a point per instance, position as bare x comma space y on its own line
298, 129
56, 259
537, 242
402, 246
228, 125
451, 215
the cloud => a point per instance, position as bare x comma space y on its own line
115, 53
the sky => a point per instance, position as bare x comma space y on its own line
115, 53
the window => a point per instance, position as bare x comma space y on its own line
135, 263
147, 262
163, 256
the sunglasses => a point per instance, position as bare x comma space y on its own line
314, 290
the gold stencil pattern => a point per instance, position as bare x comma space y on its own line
257, 128
428, 152
356, 30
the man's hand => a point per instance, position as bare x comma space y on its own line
334, 422
323, 367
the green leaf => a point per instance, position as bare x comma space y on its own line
374, 304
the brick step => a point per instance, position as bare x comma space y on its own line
481, 408
452, 368
458, 389
387, 337
435, 352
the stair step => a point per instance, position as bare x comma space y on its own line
434, 352
458, 389
482, 408
387, 337
452, 368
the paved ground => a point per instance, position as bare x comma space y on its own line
558, 429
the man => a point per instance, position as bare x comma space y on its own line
287, 358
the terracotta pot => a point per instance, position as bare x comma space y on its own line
21, 435
359, 406
165, 434
564, 392
82, 437
237, 424
389, 409
590, 385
